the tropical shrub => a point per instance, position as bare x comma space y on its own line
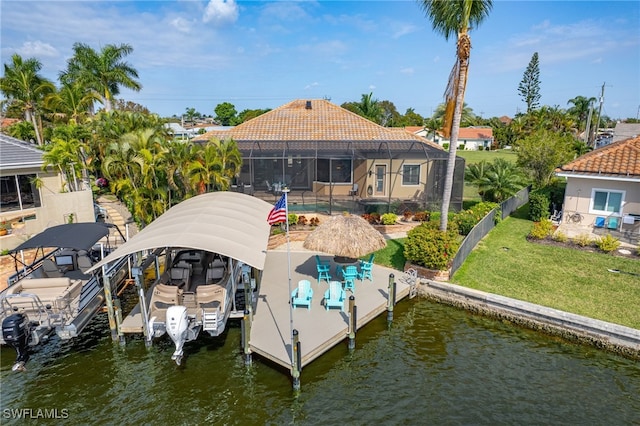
541, 230
445, 146
314, 221
389, 219
293, 219
538, 206
467, 219
407, 215
561, 237
302, 220
607, 243
431, 248
583, 240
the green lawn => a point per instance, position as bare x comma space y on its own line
505, 263
576, 281
472, 157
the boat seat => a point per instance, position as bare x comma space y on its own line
50, 269
208, 294
84, 261
184, 264
214, 274
179, 277
58, 292
164, 296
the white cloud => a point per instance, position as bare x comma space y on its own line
309, 86
181, 24
408, 70
37, 49
221, 12
400, 30
372, 87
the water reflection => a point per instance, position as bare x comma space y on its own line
435, 364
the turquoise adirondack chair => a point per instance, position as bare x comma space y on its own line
323, 268
302, 295
334, 296
366, 267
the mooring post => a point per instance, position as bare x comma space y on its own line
246, 334
391, 301
295, 360
119, 321
108, 299
137, 274
353, 310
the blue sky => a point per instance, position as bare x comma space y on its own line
264, 54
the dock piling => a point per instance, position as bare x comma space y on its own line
108, 299
246, 333
353, 310
391, 301
118, 308
295, 360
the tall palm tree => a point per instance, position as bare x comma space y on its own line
455, 17
102, 72
23, 86
71, 103
580, 109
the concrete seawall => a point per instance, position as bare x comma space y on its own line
613, 337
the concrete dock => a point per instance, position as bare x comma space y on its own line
318, 329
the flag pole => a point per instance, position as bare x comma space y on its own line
285, 191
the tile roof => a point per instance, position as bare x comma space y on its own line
15, 153
619, 159
323, 121
475, 133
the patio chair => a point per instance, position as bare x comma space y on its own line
334, 296
302, 295
599, 223
354, 190
612, 223
366, 267
323, 269
349, 275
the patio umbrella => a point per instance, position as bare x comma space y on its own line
345, 236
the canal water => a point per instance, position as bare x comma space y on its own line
433, 365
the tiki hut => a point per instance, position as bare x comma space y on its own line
345, 236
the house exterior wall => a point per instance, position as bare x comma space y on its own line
579, 197
56, 208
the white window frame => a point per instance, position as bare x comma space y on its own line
403, 175
608, 191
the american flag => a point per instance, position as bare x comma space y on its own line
279, 212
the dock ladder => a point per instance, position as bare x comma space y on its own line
410, 278
209, 320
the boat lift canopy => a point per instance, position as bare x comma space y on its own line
77, 236
228, 223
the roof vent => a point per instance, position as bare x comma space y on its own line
308, 105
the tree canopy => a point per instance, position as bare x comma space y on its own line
529, 87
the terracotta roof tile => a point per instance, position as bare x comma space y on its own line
620, 158
323, 121
475, 133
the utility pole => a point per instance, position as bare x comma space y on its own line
599, 112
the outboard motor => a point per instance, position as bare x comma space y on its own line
16, 333
177, 324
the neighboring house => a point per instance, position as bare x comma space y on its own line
326, 153
179, 132
624, 131
32, 199
603, 186
472, 138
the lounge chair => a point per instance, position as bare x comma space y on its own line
302, 295
349, 275
323, 269
366, 267
334, 296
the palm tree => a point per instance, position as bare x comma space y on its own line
71, 103
580, 109
475, 173
468, 118
502, 180
25, 87
102, 72
449, 18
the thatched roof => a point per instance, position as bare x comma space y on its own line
345, 235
